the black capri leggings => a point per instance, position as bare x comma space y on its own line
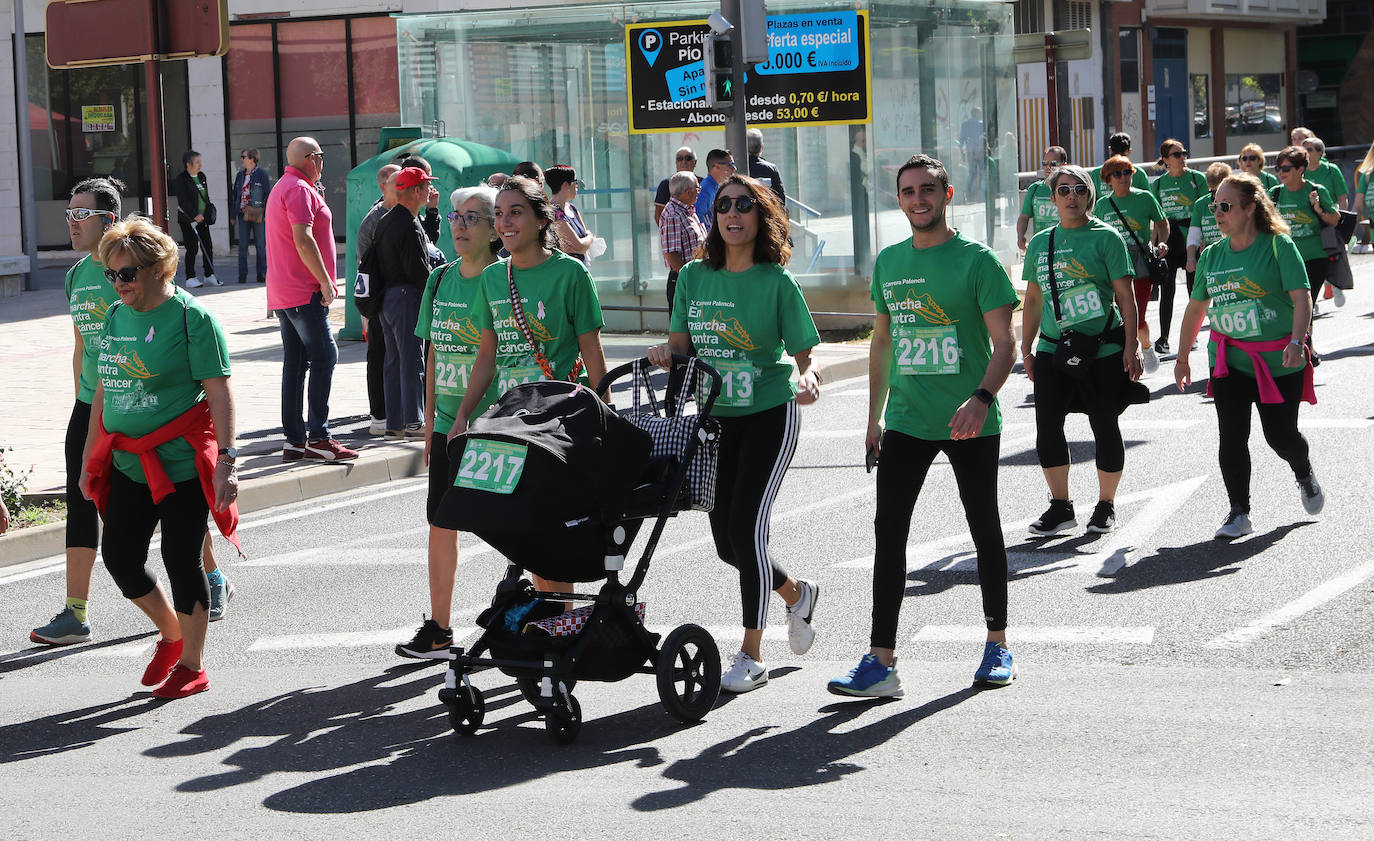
1057, 394
131, 516
83, 521
440, 479
1177, 258
1233, 395
755, 451
901, 472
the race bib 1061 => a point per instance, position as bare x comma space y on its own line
1239, 320
492, 466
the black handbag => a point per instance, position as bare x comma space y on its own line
1158, 266
1074, 351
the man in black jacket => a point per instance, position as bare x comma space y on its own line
400, 251
193, 207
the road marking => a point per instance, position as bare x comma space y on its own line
726, 632
312, 507
131, 649
1070, 635
1313, 599
345, 639
1108, 558
333, 556
1335, 423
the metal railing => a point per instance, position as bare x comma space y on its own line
814, 313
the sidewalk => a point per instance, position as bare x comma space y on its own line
36, 352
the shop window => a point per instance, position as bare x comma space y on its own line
1202, 121
313, 85
376, 93
1254, 103
251, 86
1129, 51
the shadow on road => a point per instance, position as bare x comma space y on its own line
24, 658
1080, 452
1194, 562
62, 732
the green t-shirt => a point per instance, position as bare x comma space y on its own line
1086, 261
446, 322
1330, 176
1176, 195
1364, 186
1140, 211
560, 304
1268, 179
1204, 219
89, 297
936, 298
1296, 209
151, 365
1139, 181
1248, 294
740, 323
1039, 206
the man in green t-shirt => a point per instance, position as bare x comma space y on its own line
942, 347
1119, 144
1037, 208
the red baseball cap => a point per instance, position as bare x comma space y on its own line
412, 176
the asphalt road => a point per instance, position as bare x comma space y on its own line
1170, 686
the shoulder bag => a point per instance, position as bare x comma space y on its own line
1158, 266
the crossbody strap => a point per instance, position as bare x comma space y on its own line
518, 311
1054, 290
1127, 226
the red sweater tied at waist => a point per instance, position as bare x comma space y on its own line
196, 427
1264, 378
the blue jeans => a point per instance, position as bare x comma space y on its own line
307, 345
403, 372
256, 231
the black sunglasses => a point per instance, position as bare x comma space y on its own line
743, 204
1178, 154
128, 274
1287, 168
1249, 157
686, 157
1221, 207
1120, 173
1072, 189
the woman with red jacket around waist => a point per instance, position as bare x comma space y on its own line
160, 447
1252, 288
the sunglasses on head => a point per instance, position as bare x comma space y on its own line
743, 204
1220, 207
81, 214
1072, 189
1249, 158
128, 274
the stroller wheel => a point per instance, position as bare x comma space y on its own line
466, 711
688, 672
529, 688
564, 721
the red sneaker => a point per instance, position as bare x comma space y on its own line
1329, 293
328, 450
183, 682
164, 658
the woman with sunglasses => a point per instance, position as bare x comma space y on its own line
1252, 161
446, 323
740, 309
1092, 273
247, 211
1306, 207
1176, 190
1255, 354
1140, 219
160, 447
1037, 208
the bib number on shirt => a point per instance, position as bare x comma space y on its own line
927, 350
508, 378
491, 466
737, 383
1239, 321
1079, 304
452, 372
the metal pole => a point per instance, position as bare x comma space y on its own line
156, 154
1051, 91
28, 212
736, 138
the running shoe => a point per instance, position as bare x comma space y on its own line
1103, 519
211, 280
997, 668
869, 679
1149, 360
744, 675
1312, 355
328, 450
1057, 518
429, 643
1237, 525
1162, 347
1313, 500
800, 632
1328, 293
292, 452
1338, 294
183, 682
1362, 248
221, 592
64, 629
194, 283
415, 430
376, 426
165, 656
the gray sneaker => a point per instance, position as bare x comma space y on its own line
220, 595
800, 632
1313, 500
64, 629
1237, 525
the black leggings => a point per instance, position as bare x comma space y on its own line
197, 237
376, 359
755, 451
1177, 259
1057, 394
901, 472
131, 516
83, 522
1233, 395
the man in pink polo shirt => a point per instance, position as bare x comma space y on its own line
300, 287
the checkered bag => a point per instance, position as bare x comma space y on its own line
571, 622
671, 434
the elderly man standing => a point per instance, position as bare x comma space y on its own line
300, 288
762, 169
401, 253
679, 230
376, 336
686, 161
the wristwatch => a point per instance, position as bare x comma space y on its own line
231, 452
984, 395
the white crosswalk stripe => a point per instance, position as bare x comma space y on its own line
1068, 635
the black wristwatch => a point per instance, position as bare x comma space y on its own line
984, 395
231, 452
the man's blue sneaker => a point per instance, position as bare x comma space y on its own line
996, 668
64, 629
221, 591
869, 679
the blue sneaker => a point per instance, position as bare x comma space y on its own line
996, 668
869, 679
221, 591
64, 629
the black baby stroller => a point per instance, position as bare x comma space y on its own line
558, 483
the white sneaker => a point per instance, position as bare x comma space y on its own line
800, 632
211, 280
376, 427
1149, 359
194, 283
1338, 295
1237, 525
744, 675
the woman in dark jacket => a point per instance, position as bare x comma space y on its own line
247, 211
195, 214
